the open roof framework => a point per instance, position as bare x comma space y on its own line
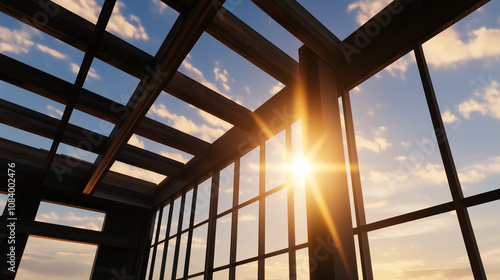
415, 22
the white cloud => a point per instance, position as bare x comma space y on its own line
400, 158
160, 7
54, 111
447, 49
448, 116
197, 75
129, 27
275, 89
477, 172
221, 76
52, 216
485, 102
376, 145
247, 88
247, 217
50, 51
367, 9
137, 172
213, 120
431, 173
16, 41
181, 123
175, 156
399, 67
134, 141
92, 73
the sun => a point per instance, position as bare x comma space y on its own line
301, 168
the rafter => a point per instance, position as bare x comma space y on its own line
310, 31
241, 38
39, 82
193, 26
76, 31
43, 125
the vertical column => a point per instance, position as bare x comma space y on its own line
331, 240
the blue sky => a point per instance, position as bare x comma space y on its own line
399, 162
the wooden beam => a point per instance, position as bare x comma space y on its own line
76, 31
29, 78
70, 174
310, 31
395, 31
241, 38
95, 40
193, 26
43, 125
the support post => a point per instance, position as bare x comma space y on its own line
332, 253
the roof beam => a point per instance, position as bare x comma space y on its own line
43, 125
95, 40
241, 38
305, 27
395, 31
70, 177
193, 26
39, 82
76, 31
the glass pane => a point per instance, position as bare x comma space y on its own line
221, 275
69, 216
198, 249
155, 224
248, 231
399, 161
276, 161
302, 259
249, 175
164, 221
487, 230
158, 260
169, 262
276, 268
226, 184
276, 221
174, 227
247, 271
139, 173
51, 259
187, 209
222, 240
3, 202
203, 201
465, 70
149, 262
431, 248
182, 256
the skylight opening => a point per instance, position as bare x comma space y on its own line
142, 24
87, 9
219, 68
31, 100
23, 137
186, 118
137, 172
91, 123
37, 49
110, 82
49, 212
158, 148
78, 153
